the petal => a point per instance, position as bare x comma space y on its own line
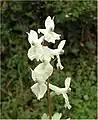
35, 52
39, 52
55, 52
39, 90
32, 36
61, 45
59, 65
43, 31
47, 54
43, 89
33, 75
38, 77
41, 39
53, 17
49, 36
66, 101
49, 24
27, 33
43, 71
56, 89
35, 89
67, 82
57, 116
31, 53
55, 35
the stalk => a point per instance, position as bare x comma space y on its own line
49, 100
49, 97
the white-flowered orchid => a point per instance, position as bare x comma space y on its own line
44, 70
39, 89
36, 48
42, 53
40, 74
63, 91
50, 53
57, 53
49, 35
35, 52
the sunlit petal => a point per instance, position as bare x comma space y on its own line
43, 89
49, 24
42, 72
59, 65
35, 52
67, 82
56, 89
35, 89
32, 36
66, 101
61, 45
39, 90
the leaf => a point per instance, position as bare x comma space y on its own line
90, 45
75, 50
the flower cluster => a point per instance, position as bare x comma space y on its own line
44, 54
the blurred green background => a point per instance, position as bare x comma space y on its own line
76, 22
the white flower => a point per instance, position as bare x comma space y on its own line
47, 54
39, 89
49, 35
33, 37
63, 91
50, 53
40, 74
39, 52
36, 49
35, 52
57, 53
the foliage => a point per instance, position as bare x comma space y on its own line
17, 100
